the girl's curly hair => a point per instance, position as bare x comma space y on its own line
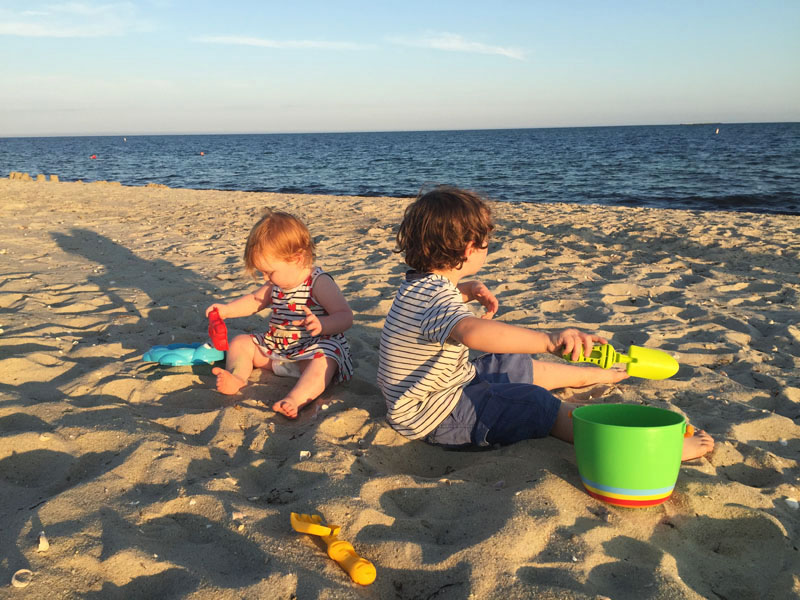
280, 235
439, 224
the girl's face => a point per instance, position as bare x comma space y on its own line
286, 274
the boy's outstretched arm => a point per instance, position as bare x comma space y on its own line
495, 336
245, 306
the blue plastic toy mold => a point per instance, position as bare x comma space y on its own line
183, 354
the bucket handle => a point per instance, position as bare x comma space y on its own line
688, 432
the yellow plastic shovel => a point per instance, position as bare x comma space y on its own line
360, 569
642, 362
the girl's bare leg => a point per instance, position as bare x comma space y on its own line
552, 375
243, 356
693, 447
315, 376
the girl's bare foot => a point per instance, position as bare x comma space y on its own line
289, 406
697, 445
227, 383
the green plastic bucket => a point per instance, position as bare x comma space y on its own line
628, 455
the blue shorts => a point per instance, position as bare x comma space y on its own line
500, 406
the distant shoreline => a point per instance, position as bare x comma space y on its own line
152, 185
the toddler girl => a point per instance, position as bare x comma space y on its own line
309, 314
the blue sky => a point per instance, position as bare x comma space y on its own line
162, 66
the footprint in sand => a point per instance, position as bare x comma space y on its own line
755, 468
710, 554
27, 461
22, 423
185, 538
440, 520
390, 453
699, 555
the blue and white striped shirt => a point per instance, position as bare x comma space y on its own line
420, 372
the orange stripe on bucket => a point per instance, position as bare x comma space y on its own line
629, 503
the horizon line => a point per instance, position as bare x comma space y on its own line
332, 132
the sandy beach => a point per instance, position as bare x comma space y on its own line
150, 484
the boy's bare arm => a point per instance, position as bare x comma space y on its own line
504, 338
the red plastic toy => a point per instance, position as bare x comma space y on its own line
217, 330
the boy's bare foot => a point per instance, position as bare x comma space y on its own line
227, 383
289, 406
697, 445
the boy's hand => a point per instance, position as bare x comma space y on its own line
475, 290
573, 341
487, 299
311, 322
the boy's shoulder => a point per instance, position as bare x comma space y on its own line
427, 283
420, 278
427, 292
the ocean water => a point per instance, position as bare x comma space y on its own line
741, 167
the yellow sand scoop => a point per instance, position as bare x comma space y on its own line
642, 362
360, 569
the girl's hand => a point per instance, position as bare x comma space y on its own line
311, 322
219, 307
572, 341
486, 298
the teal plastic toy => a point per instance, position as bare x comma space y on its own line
183, 354
642, 362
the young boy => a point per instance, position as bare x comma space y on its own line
432, 390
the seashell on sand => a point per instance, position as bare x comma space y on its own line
44, 544
22, 578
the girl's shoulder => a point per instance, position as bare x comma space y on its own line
316, 272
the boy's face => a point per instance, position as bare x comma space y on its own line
286, 274
476, 257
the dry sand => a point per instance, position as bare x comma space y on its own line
149, 484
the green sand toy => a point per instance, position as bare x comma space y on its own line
642, 362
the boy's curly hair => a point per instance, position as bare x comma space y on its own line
439, 224
280, 235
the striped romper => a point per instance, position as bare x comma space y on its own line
286, 342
